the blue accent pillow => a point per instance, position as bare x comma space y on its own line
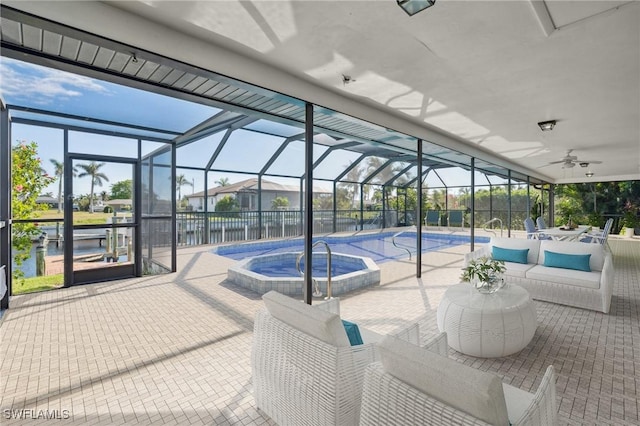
578, 262
353, 333
510, 255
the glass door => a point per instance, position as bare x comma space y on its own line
101, 219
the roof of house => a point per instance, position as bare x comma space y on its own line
251, 185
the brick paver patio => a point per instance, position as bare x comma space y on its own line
175, 349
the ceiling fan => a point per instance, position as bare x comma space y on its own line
569, 161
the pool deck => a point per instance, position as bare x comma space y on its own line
174, 349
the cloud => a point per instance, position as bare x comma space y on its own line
22, 81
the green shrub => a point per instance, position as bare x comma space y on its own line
107, 209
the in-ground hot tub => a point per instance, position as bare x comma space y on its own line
278, 272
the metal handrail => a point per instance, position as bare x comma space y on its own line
393, 239
495, 219
317, 292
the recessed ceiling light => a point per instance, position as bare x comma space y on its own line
414, 6
546, 126
589, 174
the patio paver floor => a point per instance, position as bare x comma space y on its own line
175, 349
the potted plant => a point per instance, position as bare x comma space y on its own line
485, 273
629, 219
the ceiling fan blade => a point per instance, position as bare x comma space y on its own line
557, 162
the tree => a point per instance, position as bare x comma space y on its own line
93, 170
28, 179
180, 182
122, 190
354, 176
59, 174
223, 181
227, 204
280, 203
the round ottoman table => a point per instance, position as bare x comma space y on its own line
487, 325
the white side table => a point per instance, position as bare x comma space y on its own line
487, 325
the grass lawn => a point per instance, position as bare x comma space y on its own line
32, 284
81, 218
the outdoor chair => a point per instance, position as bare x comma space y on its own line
415, 385
532, 232
456, 220
540, 222
304, 369
599, 237
432, 218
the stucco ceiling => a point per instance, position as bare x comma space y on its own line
484, 72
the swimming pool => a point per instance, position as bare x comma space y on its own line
377, 246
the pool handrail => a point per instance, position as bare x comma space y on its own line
393, 239
328, 250
495, 219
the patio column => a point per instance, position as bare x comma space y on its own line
528, 197
509, 204
419, 213
361, 206
384, 203
335, 207
472, 219
260, 207
5, 201
205, 210
308, 205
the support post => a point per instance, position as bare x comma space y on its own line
5, 202
472, 219
361, 206
509, 204
308, 204
335, 207
260, 207
419, 213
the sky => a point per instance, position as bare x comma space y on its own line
30, 85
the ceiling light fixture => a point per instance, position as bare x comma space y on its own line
414, 6
346, 79
584, 164
547, 126
589, 174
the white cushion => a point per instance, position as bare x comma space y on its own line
596, 262
473, 391
518, 401
517, 269
519, 244
565, 276
315, 322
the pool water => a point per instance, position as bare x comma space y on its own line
318, 267
377, 246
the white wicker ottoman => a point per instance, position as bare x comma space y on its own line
487, 325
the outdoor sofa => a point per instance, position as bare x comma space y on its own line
569, 273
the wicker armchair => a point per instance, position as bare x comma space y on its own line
298, 378
412, 385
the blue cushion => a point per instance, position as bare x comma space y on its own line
353, 333
579, 262
510, 255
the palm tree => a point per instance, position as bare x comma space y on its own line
354, 176
180, 182
59, 173
223, 181
93, 169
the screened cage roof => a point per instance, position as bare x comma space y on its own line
215, 122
